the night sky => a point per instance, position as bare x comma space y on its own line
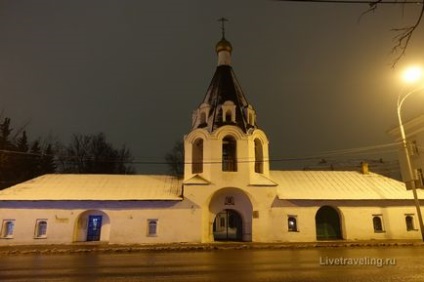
319, 78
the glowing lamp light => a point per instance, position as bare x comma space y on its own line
413, 74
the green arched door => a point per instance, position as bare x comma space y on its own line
327, 221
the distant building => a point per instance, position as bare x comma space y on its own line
414, 131
389, 168
228, 192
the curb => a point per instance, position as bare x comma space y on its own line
87, 248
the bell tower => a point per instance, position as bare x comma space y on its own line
225, 141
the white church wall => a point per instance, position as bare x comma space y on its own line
359, 222
173, 225
60, 227
356, 220
265, 219
123, 222
278, 230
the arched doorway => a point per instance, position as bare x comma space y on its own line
92, 226
229, 216
228, 226
327, 222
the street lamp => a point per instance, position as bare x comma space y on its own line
411, 75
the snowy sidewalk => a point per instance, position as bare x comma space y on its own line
91, 247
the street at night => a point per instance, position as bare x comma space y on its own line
290, 264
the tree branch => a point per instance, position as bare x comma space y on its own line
404, 36
373, 6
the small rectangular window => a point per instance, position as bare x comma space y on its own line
7, 229
40, 228
152, 227
409, 221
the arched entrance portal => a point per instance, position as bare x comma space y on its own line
327, 221
229, 216
228, 226
92, 225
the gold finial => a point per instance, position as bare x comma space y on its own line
223, 20
223, 44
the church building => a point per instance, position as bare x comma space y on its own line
228, 192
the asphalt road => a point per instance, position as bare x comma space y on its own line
305, 264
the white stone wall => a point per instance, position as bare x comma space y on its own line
264, 218
359, 224
125, 222
356, 220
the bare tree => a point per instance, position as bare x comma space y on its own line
175, 159
403, 34
93, 154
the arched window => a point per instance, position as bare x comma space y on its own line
152, 227
409, 220
7, 228
292, 223
377, 223
228, 111
41, 229
197, 162
251, 121
229, 154
259, 159
228, 116
202, 118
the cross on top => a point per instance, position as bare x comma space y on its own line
223, 20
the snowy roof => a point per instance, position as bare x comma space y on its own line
95, 187
291, 185
339, 185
